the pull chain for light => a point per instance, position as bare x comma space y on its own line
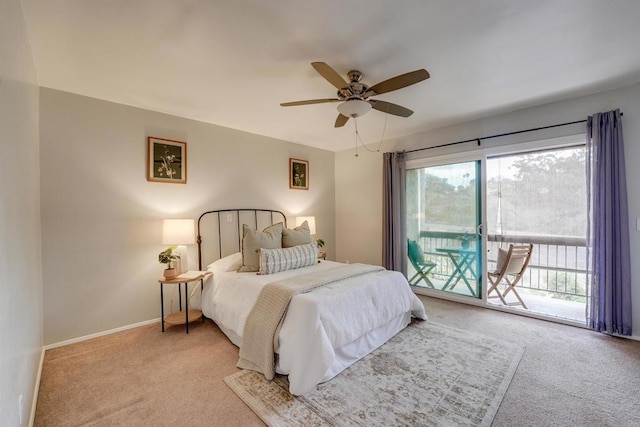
355, 121
384, 129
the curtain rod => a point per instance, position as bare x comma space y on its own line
498, 136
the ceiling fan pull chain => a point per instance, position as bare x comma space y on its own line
355, 122
384, 129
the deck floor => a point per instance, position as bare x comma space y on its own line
542, 304
536, 301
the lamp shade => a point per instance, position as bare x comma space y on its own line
178, 232
354, 107
311, 220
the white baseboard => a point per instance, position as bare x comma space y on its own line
100, 334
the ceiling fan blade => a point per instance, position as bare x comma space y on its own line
309, 101
341, 120
388, 107
398, 82
330, 74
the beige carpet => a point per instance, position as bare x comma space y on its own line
143, 377
567, 377
428, 374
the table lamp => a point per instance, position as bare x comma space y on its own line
179, 232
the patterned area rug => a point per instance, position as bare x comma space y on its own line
427, 375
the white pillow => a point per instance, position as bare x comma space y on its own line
229, 263
276, 260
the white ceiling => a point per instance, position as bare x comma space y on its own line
232, 63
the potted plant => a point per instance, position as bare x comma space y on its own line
319, 244
466, 239
168, 257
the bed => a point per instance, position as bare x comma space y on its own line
323, 331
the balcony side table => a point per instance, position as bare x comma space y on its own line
183, 316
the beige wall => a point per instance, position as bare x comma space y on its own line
360, 179
359, 207
101, 219
20, 264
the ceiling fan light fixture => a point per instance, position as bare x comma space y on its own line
354, 107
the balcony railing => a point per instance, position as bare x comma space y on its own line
557, 265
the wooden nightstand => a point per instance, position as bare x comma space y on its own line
183, 316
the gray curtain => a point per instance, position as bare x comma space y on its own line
394, 234
608, 259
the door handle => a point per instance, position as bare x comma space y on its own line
479, 229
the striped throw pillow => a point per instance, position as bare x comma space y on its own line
276, 260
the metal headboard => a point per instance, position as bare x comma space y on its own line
224, 226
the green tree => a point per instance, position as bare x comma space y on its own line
545, 193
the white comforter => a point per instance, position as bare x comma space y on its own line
324, 331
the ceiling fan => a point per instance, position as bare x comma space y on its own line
354, 96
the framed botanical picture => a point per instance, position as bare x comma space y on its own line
166, 160
298, 174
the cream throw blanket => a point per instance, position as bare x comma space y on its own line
261, 330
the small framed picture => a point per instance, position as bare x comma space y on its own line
166, 160
298, 174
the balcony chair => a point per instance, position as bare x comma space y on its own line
510, 268
422, 266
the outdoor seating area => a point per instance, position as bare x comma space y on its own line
510, 268
421, 265
545, 276
464, 270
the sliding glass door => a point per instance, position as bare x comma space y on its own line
540, 197
443, 228
533, 196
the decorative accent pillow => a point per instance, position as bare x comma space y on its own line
298, 236
253, 240
514, 266
275, 260
229, 263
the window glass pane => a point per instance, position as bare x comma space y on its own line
540, 198
538, 193
442, 219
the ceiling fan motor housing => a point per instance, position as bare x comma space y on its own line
355, 89
354, 76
